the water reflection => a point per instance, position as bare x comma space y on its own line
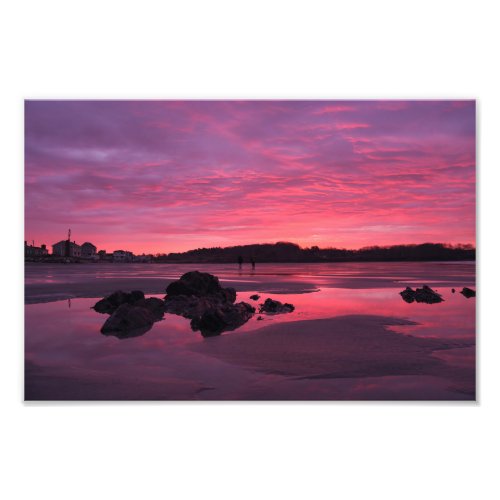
128, 333
67, 358
326, 274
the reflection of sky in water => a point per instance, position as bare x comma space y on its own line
320, 273
63, 340
455, 317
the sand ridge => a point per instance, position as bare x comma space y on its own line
342, 346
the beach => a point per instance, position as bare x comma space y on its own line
351, 335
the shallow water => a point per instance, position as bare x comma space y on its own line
68, 358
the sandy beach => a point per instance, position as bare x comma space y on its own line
350, 337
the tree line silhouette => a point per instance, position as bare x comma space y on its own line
291, 252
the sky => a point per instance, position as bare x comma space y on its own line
169, 176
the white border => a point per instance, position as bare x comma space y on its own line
227, 49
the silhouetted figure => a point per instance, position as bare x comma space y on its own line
240, 261
253, 263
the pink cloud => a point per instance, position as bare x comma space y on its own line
167, 176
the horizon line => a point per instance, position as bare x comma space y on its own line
451, 245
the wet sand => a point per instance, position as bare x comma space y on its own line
50, 282
353, 357
339, 347
351, 337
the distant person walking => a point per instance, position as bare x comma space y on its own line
240, 261
253, 263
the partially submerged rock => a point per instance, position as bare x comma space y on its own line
271, 306
131, 314
197, 284
129, 321
211, 308
225, 317
255, 296
424, 294
468, 292
109, 304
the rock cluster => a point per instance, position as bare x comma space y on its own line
211, 308
196, 296
424, 294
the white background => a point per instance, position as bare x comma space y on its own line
257, 49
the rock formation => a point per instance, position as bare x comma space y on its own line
424, 294
211, 308
109, 304
271, 306
468, 292
131, 314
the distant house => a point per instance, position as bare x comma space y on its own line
33, 251
105, 257
143, 258
59, 248
122, 256
88, 250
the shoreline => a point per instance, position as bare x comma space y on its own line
48, 283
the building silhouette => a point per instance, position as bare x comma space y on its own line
33, 251
89, 251
65, 248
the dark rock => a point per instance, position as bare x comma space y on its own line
468, 292
255, 297
222, 318
259, 318
128, 321
424, 294
271, 306
131, 313
452, 290
200, 285
229, 294
154, 305
210, 315
408, 295
136, 295
189, 306
427, 295
109, 304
